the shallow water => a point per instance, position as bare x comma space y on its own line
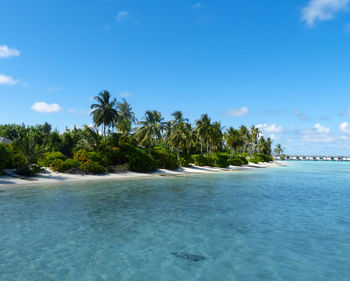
285, 223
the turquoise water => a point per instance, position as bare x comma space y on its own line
285, 223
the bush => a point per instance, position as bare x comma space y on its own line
4, 157
186, 161
81, 155
235, 162
90, 167
200, 160
49, 157
264, 158
29, 170
243, 160
220, 160
100, 157
138, 159
57, 165
164, 159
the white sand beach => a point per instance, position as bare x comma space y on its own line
53, 177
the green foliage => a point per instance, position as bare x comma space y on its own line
243, 160
235, 162
164, 159
81, 155
186, 161
29, 170
201, 160
264, 157
91, 167
138, 159
219, 159
66, 166
100, 157
48, 157
4, 157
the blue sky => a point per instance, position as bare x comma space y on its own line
281, 65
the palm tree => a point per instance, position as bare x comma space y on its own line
244, 132
125, 118
254, 136
90, 138
151, 128
104, 112
233, 140
203, 130
180, 133
215, 136
279, 150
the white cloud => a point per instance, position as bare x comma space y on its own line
321, 10
197, 5
125, 94
78, 111
237, 112
7, 80
345, 128
44, 107
122, 15
318, 134
273, 128
6, 52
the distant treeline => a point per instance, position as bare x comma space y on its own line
119, 142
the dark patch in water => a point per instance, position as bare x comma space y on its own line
190, 257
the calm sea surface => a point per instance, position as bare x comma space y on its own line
285, 223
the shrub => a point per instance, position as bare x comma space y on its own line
200, 160
29, 170
49, 157
263, 157
235, 162
81, 155
220, 160
91, 167
243, 160
57, 165
138, 159
164, 159
99, 157
185, 161
4, 157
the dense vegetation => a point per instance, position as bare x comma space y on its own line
118, 141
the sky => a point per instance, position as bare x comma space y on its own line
283, 66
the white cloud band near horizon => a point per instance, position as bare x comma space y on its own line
7, 80
6, 52
322, 10
44, 107
237, 112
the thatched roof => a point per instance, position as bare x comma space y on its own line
5, 140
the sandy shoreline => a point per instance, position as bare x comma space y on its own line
53, 177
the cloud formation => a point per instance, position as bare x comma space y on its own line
122, 15
273, 128
237, 112
345, 128
7, 80
6, 52
44, 107
321, 10
318, 134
